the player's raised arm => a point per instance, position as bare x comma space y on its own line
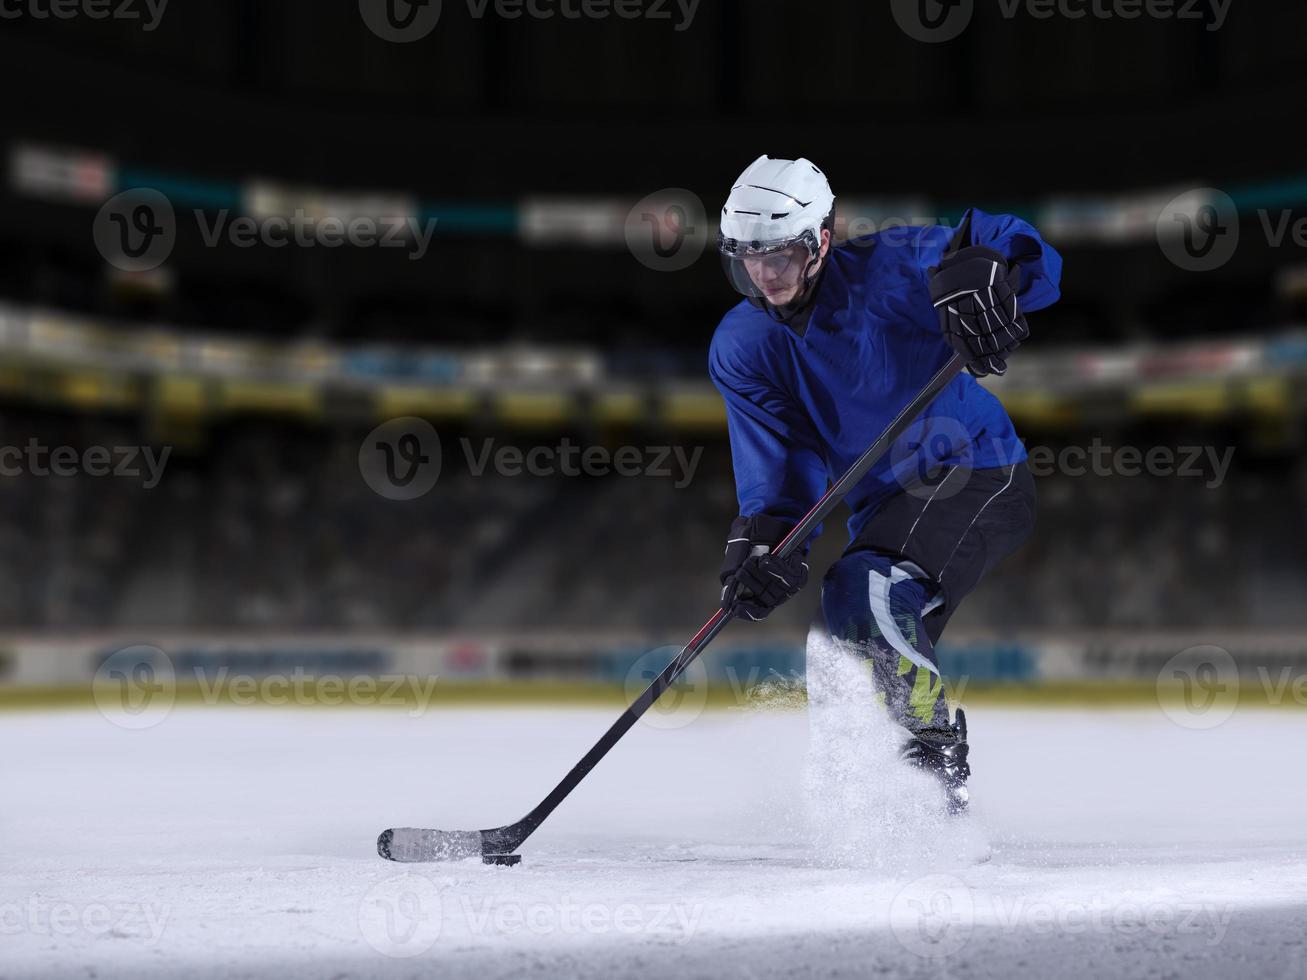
994, 271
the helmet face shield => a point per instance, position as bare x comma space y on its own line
774, 272
771, 232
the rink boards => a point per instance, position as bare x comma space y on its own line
1105, 667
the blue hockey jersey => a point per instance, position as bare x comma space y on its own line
802, 408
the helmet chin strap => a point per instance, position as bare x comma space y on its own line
788, 311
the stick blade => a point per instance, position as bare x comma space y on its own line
416, 845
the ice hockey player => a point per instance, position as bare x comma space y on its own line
828, 346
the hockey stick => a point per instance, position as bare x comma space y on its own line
496, 846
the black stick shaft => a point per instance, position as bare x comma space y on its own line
838, 490
820, 511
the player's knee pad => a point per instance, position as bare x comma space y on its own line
878, 602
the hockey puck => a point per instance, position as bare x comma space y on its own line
505, 859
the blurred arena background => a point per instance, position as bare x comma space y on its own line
567, 171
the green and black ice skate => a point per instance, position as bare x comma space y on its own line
944, 753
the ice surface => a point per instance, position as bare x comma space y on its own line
240, 843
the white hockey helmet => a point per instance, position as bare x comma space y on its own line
774, 205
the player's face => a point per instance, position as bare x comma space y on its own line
778, 275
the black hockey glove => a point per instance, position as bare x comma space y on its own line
755, 581
976, 295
